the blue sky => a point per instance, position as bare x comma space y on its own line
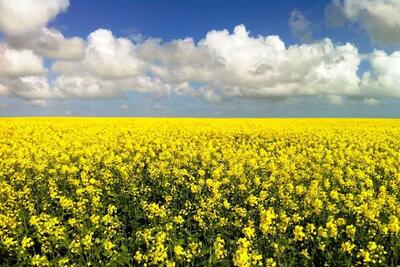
179, 19
355, 62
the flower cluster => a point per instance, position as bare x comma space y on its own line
199, 192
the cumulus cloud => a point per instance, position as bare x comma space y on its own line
22, 74
49, 42
224, 64
108, 68
24, 23
221, 65
239, 65
263, 66
27, 88
18, 17
104, 56
300, 26
87, 87
179, 61
30, 88
381, 18
15, 63
26, 41
90, 87
382, 79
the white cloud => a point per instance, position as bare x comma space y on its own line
15, 63
91, 87
86, 87
222, 64
300, 26
18, 17
106, 57
179, 61
24, 22
22, 74
32, 87
50, 43
27, 88
109, 68
237, 64
381, 18
382, 79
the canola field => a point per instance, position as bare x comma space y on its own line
199, 192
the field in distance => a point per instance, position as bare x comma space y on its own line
196, 192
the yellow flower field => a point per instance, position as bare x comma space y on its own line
199, 192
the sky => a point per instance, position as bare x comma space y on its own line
321, 58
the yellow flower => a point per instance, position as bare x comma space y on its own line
219, 248
365, 255
310, 228
270, 263
332, 228
394, 225
171, 264
108, 245
347, 247
138, 256
27, 242
87, 241
249, 231
95, 219
179, 252
178, 219
252, 200
242, 257
38, 260
66, 203
9, 242
256, 192
226, 204
266, 219
350, 230
156, 211
298, 233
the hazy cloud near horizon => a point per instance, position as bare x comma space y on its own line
223, 64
